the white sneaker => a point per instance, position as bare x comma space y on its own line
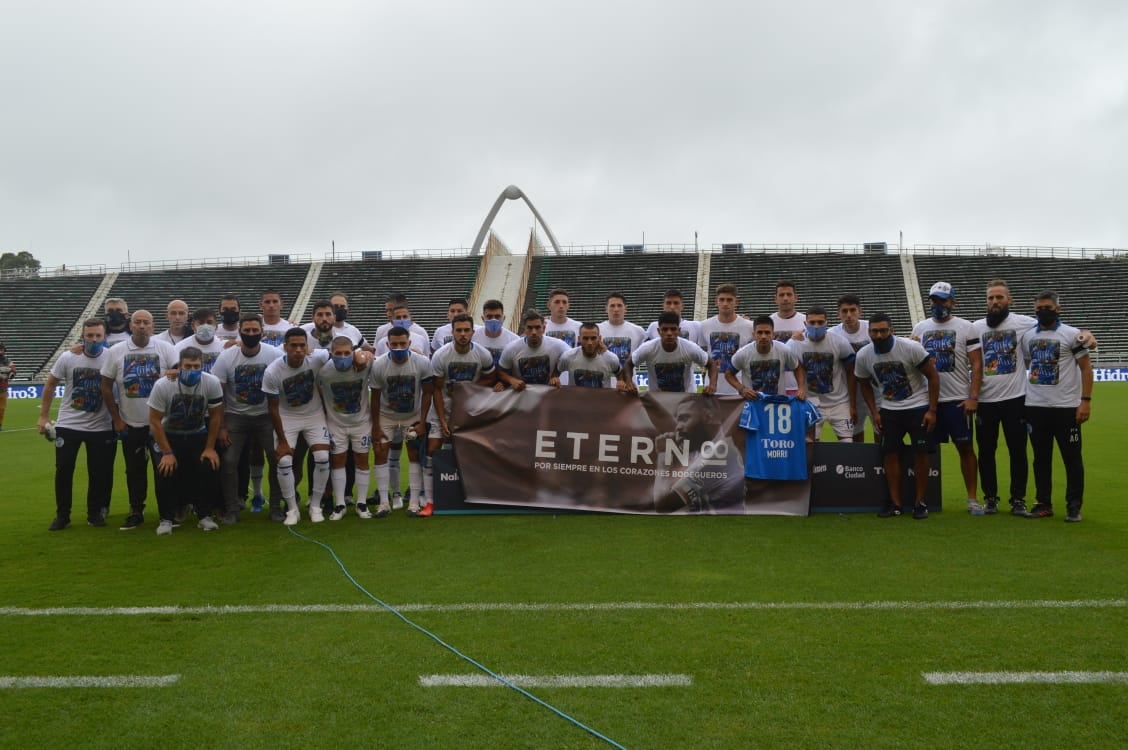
338, 513
292, 517
975, 508
397, 501
413, 508
383, 510
207, 523
164, 528
315, 514
363, 511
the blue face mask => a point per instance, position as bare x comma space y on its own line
398, 355
93, 348
405, 323
342, 363
883, 346
493, 326
190, 377
941, 312
816, 333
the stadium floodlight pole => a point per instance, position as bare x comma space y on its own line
512, 193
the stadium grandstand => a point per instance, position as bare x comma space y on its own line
42, 314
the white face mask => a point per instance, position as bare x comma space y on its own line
205, 333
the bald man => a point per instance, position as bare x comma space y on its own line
133, 366
178, 328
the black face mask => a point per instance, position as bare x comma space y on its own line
115, 321
1047, 318
341, 314
994, 318
229, 317
250, 340
883, 346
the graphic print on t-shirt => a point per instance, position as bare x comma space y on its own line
534, 370
764, 375
459, 372
186, 413
1044, 355
86, 389
495, 353
298, 389
139, 372
620, 346
820, 371
895, 384
587, 378
346, 396
722, 345
670, 376
782, 336
399, 393
208, 359
941, 344
999, 349
248, 384
568, 337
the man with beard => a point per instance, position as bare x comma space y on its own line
203, 338
320, 329
229, 312
532, 359
131, 368
274, 326
712, 478
178, 328
117, 321
589, 365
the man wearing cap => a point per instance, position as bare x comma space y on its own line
7, 372
955, 350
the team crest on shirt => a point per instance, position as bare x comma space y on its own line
534, 370
1044, 354
399, 393
87, 389
999, 352
298, 389
670, 376
346, 396
820, 371
941, 345
895, 385
248, 384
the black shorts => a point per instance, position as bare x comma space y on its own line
952, 423
896, 423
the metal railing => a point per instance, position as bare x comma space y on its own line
802, 248
1024, 251
237, 261
353, 256
48, 273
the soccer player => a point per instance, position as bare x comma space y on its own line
178, 328
229, 315
185, 416
295, 407
274, 326
401, 318
341, 326
131, 368
669, 359
724, 333
589, 365
393, 302
493, 334
245, 416
855, 329
910, 391
760, 366
460, 361
348, 415
1059, 399
117, 320
204, 338
320, 328
529, 360
673, 302
402, 389
788, 323
559, 325
83, 420
958, 360
620, 336
828, 366
443, 334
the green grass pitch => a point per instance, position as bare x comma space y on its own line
762, 677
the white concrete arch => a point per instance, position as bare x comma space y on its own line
512, 193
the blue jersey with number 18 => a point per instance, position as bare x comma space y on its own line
775, 441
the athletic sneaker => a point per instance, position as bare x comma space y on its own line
383, 510
427, 510
292, 517
59, 524
132, 521
315, 514
256, 503
889, 510
164, 528
363, 511
1018, 507
338, 513
990, 506
1040, 510
96, 520
230, 519
974, 508
920, 511
397, 500
277, 515
1073, 513
413, 509
207, 523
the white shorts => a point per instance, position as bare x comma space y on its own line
838, 417
343, 437
313, 429
396, 429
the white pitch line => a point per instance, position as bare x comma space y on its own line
1019, 678
558, 680
90, 681
237, 609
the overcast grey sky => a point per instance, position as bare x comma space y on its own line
242, 128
